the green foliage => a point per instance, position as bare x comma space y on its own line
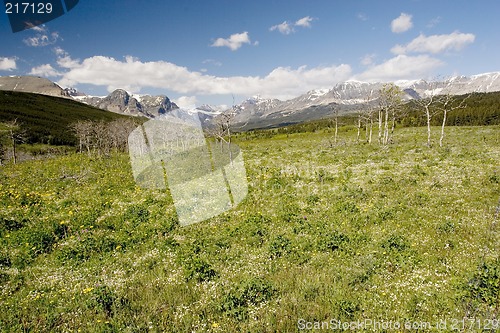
136, 214
484, 287
198, 269
102, 298
395, 243
86, 244
249, 292
332, 241
279, 246
254, 229
481, 109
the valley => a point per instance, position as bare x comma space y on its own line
342, 232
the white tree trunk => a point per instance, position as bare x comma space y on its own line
442, 128
428, 113
380, 115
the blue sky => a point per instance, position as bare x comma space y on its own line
207, 51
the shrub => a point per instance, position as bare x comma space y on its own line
347, 309
86, 246
395, 243
279, 246
332, 242
254, 229
12, 224
5, 260
484, 287
199, 270
102, 299
250, 292
312, 199
136, 214
347, 207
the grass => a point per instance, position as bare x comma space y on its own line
346, 232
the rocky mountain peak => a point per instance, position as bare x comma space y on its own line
120, 101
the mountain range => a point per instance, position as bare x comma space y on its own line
345, 97
120, 101
257, 112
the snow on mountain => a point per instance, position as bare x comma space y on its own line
121, 101
264, 112
347, 96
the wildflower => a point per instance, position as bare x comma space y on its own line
87, 290
215, 325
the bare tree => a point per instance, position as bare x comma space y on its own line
16, 135
83, 132
390, 101
449, 104
369, 113
222, 130
336, 121
429, 106
118, 132
360, 119
101, 137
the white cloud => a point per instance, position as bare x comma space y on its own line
401, 67
186, 102
402, 23
435, 43
59, 51
234, 41
287, 28
44, 70
43, 37
134, 75
304, 22
7, 64
367, 60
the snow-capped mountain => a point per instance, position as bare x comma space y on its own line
258, 112
349, 96
120, 101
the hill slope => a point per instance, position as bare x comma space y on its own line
46, 118
32, 84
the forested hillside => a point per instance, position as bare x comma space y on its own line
480, 109
46, 119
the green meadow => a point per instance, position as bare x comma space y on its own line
328, 232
